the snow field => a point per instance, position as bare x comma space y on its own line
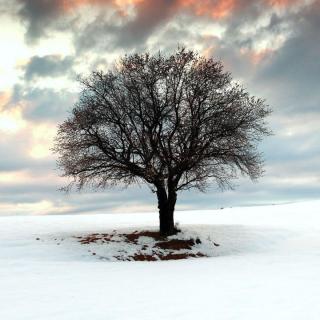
266, 267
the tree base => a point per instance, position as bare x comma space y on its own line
171, 232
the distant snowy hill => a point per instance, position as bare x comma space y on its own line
265, 267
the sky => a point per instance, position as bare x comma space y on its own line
271, 47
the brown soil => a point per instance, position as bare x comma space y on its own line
179, 256
176, 244
170, 256
143, 257
133, 237
155, 256
94, 237
172, 245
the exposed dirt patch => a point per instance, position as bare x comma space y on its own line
144, 246
144, 257
179, 256
95, 237
133, 237
176, 244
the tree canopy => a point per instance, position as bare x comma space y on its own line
172, 121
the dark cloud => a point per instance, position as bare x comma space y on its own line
153, 16
291, 76
116, 27
40, 16
48, 66
43, 104
122, 29
149, 16
106, 34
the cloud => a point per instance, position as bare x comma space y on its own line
42, 16
282, 3
39, 16
128, 23
48, 66
26, 147
291, 77
42, 207
43, 104
105, 32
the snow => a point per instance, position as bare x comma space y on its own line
266, 267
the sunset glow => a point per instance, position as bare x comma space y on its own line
42, 137
11, 121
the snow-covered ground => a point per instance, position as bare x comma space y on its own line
266, 267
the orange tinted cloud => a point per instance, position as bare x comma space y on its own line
216, 9
281, 3
4, 99
257, 56
68, 5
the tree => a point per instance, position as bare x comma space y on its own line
174, 122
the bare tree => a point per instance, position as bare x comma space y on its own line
173, 122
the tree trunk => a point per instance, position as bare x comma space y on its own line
166, 204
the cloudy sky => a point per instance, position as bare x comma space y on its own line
271, 46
